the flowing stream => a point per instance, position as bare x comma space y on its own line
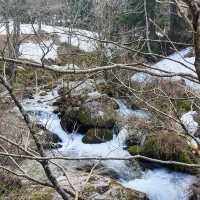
158, 184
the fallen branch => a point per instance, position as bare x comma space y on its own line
138, 157
131, 67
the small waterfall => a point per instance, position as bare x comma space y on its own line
124, 111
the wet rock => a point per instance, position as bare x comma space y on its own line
50, 140
43, 93
117, 191
112, 89
28, 94
195, 190
136, 136
93, 113
168, 146
96, 136
70, 121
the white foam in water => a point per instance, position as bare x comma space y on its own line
160, 184
126, 112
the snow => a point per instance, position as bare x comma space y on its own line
77, 37
173, 64
160, 184
35, 51
94, 95
64, 67
190, 124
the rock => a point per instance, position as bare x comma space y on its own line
195, 190
50, 140
135, 150
136, 136
118, 192
168, 146
93, 113
28, 94
112, 90
96, 119
97, 187
8, 184
70, 121
96, 136
43, 93
98, 113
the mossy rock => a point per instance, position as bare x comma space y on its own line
167, 147
112, 89
8, 184
135, 150
88, 120
93, 113
183, 105
99, 113
96, 136
69, 54
70, 121
45, 194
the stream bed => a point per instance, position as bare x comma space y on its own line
158, 184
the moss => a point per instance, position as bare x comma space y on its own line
9, 185
183, 105
84, 116
42, 195
168, 147
134, 150
68, 54
94, 136
28, 76
87, 120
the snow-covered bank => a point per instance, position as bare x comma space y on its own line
35, 51
77, 37
179, 62
190, 124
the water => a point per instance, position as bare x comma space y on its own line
124, 111
158, 184
161, 184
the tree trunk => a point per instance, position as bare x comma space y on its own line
13, 48
197, 44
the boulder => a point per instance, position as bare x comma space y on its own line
136, 136
50, 140
112, 89
43, 93
93, 113
118, 192
168, 147
96, 136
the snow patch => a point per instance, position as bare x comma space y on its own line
190, 124
179, 62
35, 51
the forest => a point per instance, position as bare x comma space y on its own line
99, 99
